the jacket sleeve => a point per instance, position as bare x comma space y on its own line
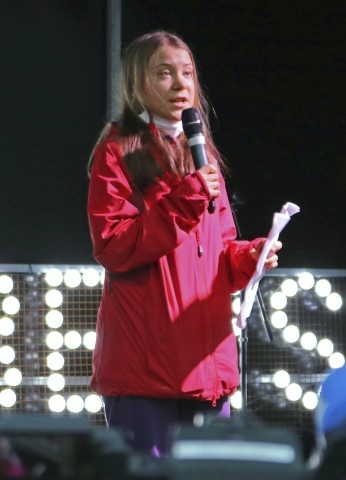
240, 262
124, 237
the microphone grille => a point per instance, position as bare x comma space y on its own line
192, 123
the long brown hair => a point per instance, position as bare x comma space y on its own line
135, 139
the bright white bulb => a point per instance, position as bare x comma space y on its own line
308, 341
55, 361
91, 277
89, 340
325, 347
310, 400
54, 277
54, 340
7, 354
13, 377
6, 326
236, 329
236, 304
93, 403
279, 319
323, 287
291, 333
7, 398
75, 404
236, 400
281, 379
334, 301
56, 382
53, 298
72, 278
289, 287
102, 277
56, 403
336, 360
306, 281
72, 340
10, 305
6, 284
278, 300
294, 392
54, 319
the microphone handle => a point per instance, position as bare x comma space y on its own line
200, 159
211, 206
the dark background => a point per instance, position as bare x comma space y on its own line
274, 72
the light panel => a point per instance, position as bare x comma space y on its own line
48, 336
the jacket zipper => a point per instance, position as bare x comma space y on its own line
200, 253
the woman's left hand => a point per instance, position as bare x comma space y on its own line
272, 258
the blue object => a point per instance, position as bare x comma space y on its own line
331, 410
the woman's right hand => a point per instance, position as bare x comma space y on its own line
211, 177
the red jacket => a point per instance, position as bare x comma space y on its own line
164, 322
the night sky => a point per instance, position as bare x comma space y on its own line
274, 72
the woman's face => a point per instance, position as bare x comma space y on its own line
171, 86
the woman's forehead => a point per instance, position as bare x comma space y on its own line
168, 55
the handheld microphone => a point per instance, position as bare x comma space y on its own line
193, 129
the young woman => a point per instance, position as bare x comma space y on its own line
165, 347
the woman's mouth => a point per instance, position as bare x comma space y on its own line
179, 102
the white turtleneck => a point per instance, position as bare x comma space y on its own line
169, 127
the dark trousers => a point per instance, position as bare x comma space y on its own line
147, 423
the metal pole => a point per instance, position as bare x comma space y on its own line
113, 54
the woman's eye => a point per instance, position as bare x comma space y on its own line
164, 73
188, 73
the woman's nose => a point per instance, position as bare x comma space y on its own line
179, 81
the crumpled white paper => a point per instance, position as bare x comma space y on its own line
280, 220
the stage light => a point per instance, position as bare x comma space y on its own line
325, 347
291, 333
56, 403
236, 400
54, 319
336, 360
10, 305
323, 287
198, 420
310, 400
8, 398
306, 280
56, 382
289, 287
279, 319
54, 277
236, 329
278, 300
91, 277
7, 354
89, 340
6, 284
93, 403
72, 340
6, 326
53, 298
334, 301
308, 341
293, 392
74, 404
54, 340
281, 379
55, 361
13, 377
236, 304
72, 278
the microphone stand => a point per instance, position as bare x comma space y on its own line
235, 202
